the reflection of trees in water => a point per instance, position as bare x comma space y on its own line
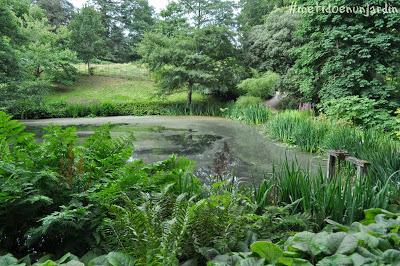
222, 161
221, 168
189, 143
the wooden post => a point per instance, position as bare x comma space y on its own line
361, 165
333, 156
330, 172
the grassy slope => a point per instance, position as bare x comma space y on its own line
115, 83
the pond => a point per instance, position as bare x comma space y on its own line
219, 146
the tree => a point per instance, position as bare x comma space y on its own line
44, 55
125, 22
59, 12
87, 33
253, 12
269, 47
9, 33
137, 17
202, 13
350, 54
203, 60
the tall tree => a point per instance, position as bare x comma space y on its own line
201, 13
45, 55
125, 22
9, 35
270, 46
202, 60
59, 12
87, 33
350, 54
253, 12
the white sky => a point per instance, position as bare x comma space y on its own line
157, 4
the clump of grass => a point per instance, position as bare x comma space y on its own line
299, 128
342, 198
251, 114
313, 134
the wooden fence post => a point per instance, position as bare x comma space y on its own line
333, 157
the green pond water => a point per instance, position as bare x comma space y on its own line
219, 146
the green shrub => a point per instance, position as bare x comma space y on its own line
263, 86
360, 111
28, 110
244, 101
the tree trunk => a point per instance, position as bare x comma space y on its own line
88, 69
189, 98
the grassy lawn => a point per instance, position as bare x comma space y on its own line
115, 83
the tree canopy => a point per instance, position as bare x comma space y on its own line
87, 34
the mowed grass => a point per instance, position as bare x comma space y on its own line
115, 83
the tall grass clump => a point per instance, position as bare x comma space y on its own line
298, 128
314, 134
341, 198
251, 114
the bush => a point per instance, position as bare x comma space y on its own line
263, 86
360, 111
244, 101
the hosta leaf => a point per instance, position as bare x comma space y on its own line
8, 260
73, 263
267, 250
335, 260
47, 263
392, 257
120, 259
359, 260
251, 262
367, 239
304, 242
348, 245
99, 261
67, 257
293, 262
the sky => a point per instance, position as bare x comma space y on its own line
157, 4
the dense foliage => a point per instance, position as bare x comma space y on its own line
350, 55
373, 241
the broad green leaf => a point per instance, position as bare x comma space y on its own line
391, 257
73, 263
359, 260
293, 262
99, 261
348, 245
367, 240
267, 250
120, 259
304, 242
251, 262
47, 263
8, 260
336, 260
